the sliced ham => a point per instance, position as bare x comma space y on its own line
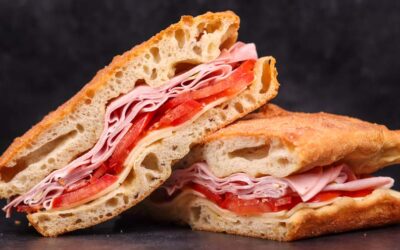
306, 185
118, 117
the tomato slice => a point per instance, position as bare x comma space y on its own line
247, 207
209, 194
179, 114
85, 193
242, 76
325, 196
128, 141
360, 193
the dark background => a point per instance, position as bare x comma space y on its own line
333, 56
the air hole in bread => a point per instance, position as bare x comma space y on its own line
119, 74
43, 167
88, 101
151, 162
43, 218
125, 199
200, 31
283, 161
265, 78
113, 202
65, 215
51, 160
8, 173
183, 66
195, 212
206, 219
250, 98
251, 153
197, 50
140, 82
130, 178
146, 69
78, 221
155, 52
212, 27
180, 37
239, 107
227, 39
80, 128
150, 177
153, 74
90, 93
108, 214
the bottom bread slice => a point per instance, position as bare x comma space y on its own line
382, 207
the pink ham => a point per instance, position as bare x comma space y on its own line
118, 117
306, 185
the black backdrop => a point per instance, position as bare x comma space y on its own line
334, 56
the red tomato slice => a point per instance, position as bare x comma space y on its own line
360, 193
210, 195
242, 76
325, 196
179, 114
85, 193
247, 207
128, 141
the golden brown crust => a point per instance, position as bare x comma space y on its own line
320, 139
383, 208
98, 82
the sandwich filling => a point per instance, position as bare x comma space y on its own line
245, 195
131, 117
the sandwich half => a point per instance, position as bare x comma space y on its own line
114, 142
284, 176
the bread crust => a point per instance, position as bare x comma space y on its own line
320, 139
380, 208
100, 79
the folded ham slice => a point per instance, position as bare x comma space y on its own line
306, 185
118, 119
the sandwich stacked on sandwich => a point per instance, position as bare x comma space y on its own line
284, 176
113, 143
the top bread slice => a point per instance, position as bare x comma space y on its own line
76, 125
280, 143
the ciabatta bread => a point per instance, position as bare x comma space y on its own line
382, 207
276, 142
76, 126
280, 143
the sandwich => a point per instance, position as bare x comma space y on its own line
114, 142
284, 176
